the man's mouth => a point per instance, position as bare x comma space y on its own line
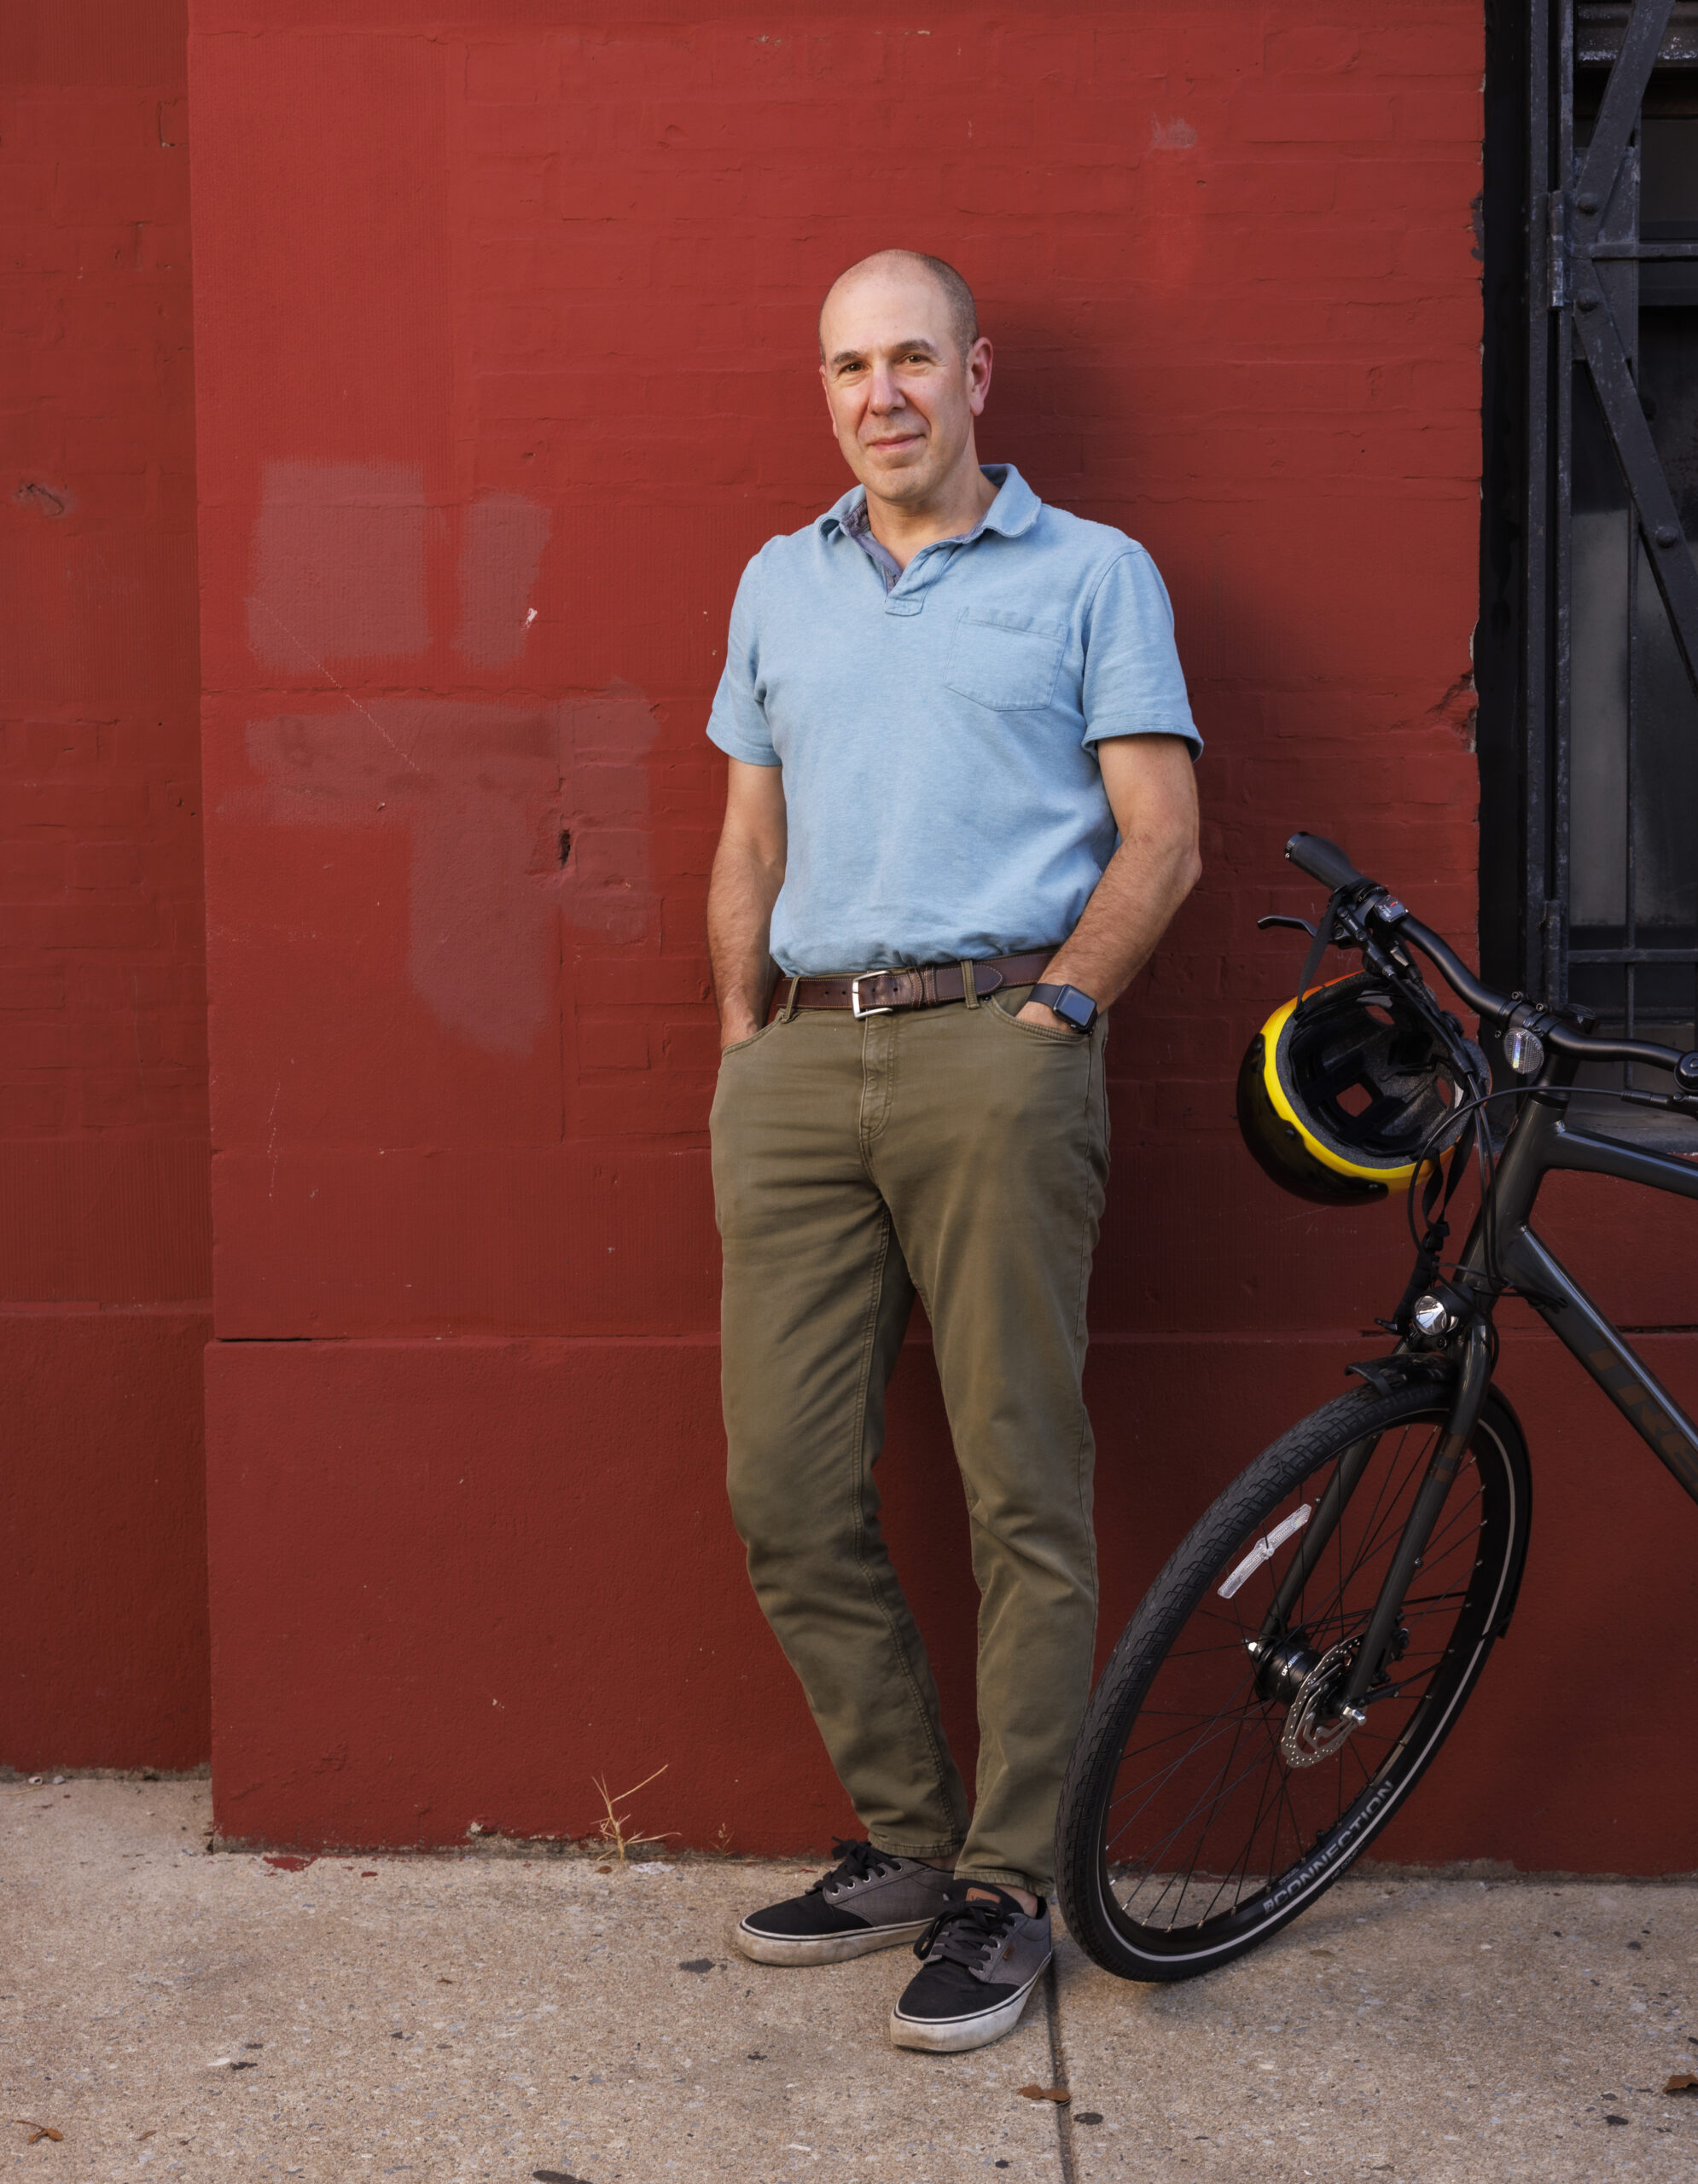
899, 439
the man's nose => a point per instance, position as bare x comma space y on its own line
886, 394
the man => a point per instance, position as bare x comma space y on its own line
941, 703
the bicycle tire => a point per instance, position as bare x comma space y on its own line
1118, 1922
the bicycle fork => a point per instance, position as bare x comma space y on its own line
1282, 1677
1472, 1383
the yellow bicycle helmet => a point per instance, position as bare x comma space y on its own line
1346, 1090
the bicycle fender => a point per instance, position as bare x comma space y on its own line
1500, 1412
1399, 1368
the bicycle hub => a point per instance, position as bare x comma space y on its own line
1283, 1669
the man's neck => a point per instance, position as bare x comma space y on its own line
902, 527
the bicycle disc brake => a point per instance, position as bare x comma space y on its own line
1314, 1728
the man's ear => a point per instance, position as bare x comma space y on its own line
979, 358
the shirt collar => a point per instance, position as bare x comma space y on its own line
1014, 511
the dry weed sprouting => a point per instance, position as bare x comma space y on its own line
612, 1827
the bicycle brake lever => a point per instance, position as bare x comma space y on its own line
1300, 925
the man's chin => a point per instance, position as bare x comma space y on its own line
899, 481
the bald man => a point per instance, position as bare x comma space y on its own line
959, 815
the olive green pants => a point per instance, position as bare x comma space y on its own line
956, 1153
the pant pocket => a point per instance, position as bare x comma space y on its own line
1003, 1009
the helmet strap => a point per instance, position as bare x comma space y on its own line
1319, 945
1433, 1208
1438, 1230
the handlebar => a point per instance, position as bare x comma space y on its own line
1326, 861
1491, 1008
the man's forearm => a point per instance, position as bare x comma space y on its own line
1152, 791
1132, 906
740, 899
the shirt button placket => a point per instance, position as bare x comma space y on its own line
908, 595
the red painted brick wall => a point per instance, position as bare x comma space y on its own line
505, 336
104, 1222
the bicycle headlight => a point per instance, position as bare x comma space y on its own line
1431, 1315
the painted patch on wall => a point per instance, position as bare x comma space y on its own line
488, 791
339, 565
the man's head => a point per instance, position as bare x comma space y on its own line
905, 371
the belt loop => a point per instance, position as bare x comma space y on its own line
789, 1007
969, 992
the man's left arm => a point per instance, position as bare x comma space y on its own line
1152, 790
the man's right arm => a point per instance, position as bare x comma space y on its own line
748, 871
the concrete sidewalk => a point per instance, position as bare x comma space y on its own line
176, 2014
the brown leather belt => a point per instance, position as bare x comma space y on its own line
876, 992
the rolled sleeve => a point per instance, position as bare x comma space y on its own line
1133, 685
738, 722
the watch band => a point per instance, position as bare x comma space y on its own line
1077, 1010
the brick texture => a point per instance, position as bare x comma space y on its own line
505, 338
1226, 261
99, 684
105, 1228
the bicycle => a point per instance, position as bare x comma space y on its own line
1304, 1652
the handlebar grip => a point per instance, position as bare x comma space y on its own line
1324, 860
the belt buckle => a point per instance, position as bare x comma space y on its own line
855, 1007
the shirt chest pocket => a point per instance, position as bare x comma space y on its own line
1005, 661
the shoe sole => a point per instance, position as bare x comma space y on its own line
953, 2036
822, 1948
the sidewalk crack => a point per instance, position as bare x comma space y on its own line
1058, 2076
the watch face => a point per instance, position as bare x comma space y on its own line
1075, 1009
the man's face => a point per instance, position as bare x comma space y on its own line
902, 396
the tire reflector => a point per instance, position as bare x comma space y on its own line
1263, 1550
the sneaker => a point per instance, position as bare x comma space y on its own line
871, 1899
981, 1959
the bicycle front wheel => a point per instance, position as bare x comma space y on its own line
1214, 1792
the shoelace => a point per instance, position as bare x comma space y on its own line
964, 1931
856, 1862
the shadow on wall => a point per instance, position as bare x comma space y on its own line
1042, 416
1078, 434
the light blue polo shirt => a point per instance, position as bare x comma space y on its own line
935, 725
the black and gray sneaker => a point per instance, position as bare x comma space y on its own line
981, 1958
871, 1899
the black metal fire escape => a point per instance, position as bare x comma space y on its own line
1605, 590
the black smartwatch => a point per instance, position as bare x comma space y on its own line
1077, 1010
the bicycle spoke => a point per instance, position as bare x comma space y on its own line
1179, 1827
1203, 1834
1170, 1772
1155, 1789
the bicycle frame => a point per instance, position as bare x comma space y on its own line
1542, 1141
1502, 1252
1503, 1248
